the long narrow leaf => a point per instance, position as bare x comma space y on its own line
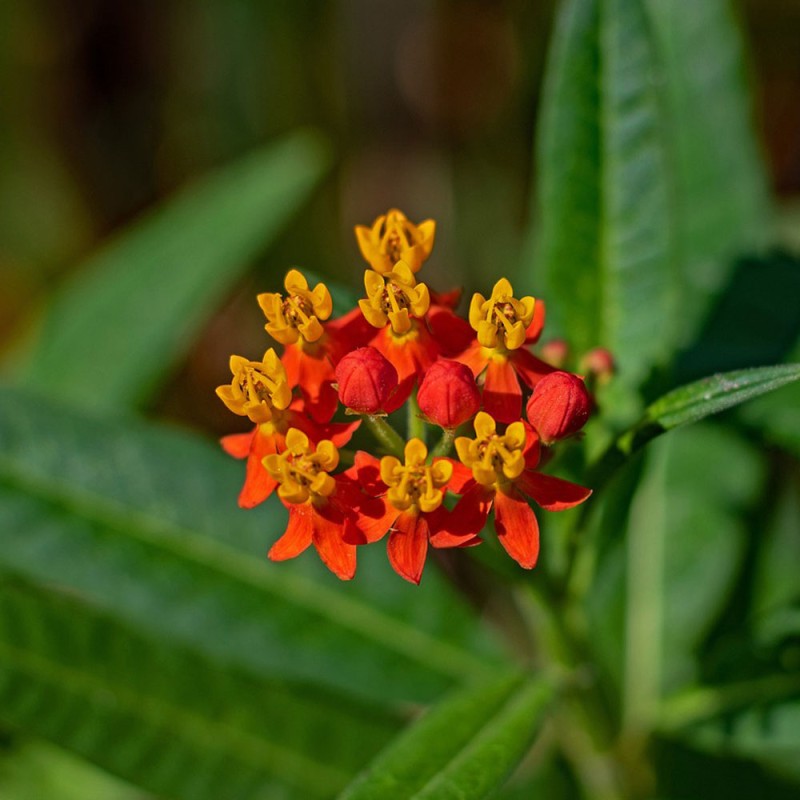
129, 312
164, 718
461, 749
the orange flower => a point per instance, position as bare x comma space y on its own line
394, 238
410, 495
318, 503
310, 354
503, 326
499, 470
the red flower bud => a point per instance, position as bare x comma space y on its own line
555, 352
448, 394
365, 379
599, 363
559, 406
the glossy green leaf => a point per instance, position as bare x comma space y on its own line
638, 205
131, 310
462, 748
689, 404
142, 522
165, 718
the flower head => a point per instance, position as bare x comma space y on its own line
494, 458
394, 238
302, 470
298, 315
559, 406
258, 388
365, 380
414, 485
448, 394
394, 297
501, 321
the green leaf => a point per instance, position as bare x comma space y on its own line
461, 749
132, 310
689, 404
165, 718
142, 522
639, 206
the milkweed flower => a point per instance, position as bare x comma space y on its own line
410, 508
295, 319
367, 361
318, 503
503, 324
500, 473
394, 238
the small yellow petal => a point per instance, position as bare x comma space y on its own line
485, 426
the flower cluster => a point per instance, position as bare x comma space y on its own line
404, 344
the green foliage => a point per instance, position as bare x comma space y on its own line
639, 208
462, 748
131, 311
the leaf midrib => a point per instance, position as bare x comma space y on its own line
374, 625
257, 752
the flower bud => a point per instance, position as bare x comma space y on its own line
448, 394
559, 406
599, 363
555, 353
365, 379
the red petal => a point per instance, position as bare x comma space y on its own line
529, 368
258, 483
462, 477
471, 511
517, 528
440, 533
339, 556
452, 333
348, 332
408, 545
552, 494
298, 534
238, 444
534, 330
291, 363
375, 518
369, 473
532, 450
449, 299
502, 396
401, 393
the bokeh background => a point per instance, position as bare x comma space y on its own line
109, 107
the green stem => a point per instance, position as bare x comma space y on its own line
385, 434
444, 444
417, 427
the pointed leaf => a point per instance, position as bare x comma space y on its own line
116, 326
165, 718
462, 748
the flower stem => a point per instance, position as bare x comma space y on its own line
385, 434
416, 424
444, 444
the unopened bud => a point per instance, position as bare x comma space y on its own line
448, 395
599, 363
555, 352
366, 380
559, 406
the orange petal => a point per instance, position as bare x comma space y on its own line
453, 333
471, 511
298, 534
258, 483
440, 533
552, 494
408, 546
328, 535
474, 358
502, 396
462, 477
517, 528
534, 330
238, 444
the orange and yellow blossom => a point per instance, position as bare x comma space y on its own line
410, 495
295, 319
394, 238
260, 391
319, 504
498, 469
503, 325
